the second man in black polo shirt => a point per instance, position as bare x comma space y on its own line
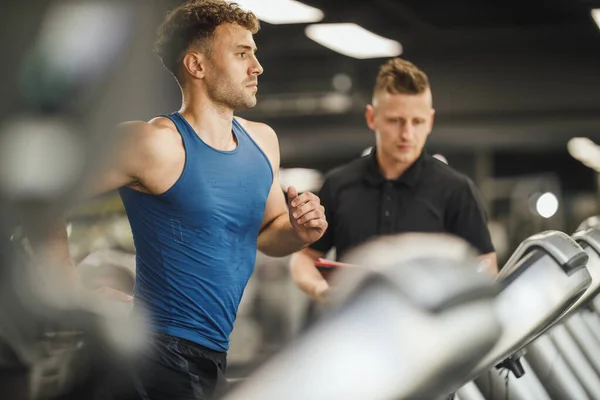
398, 187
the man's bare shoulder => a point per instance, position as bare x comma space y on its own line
262, 133
155, 138
264, 136
159, 127
258, 128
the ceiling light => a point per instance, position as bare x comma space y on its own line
281, 11
353, 40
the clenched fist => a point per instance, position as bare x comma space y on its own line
307, 215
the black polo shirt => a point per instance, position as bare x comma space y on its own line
429, 197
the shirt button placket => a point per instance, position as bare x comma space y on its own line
387, 208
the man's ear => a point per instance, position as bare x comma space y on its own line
370, 116
431, 121
195, 64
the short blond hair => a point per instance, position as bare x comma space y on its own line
398, 76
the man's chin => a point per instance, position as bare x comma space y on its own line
405, 158
247, 104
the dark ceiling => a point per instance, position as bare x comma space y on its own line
515, 74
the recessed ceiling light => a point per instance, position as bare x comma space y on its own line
596, 16
282, 11
353, 40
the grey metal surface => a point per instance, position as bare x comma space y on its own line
590, 240
592, 320
469, 392
559, 245
553, 371
530, 304
543, 279
596, 303
438, 285
585, 339
591, 236
576, 360
533, 381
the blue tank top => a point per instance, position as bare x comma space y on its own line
196, 243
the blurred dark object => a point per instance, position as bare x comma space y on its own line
65, 86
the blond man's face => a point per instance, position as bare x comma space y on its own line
402, 123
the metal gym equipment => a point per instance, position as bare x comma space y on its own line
566, 361
543, 278
405, 324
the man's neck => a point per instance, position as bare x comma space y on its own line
211, 121
391, 169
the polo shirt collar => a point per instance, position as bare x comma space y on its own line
410, 177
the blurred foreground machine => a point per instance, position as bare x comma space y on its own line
541, 281
567, 359
67, 82
408, 323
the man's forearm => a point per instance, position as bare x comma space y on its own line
279, 239
51, 248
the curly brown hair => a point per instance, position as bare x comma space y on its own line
194, 23
398, 76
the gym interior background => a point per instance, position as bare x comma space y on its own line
513, 82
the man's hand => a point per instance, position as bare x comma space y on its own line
307, 215
489, 264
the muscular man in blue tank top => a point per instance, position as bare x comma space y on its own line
201, 192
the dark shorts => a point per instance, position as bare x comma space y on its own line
177, 369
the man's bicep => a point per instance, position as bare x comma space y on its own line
276, 204
267, 141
